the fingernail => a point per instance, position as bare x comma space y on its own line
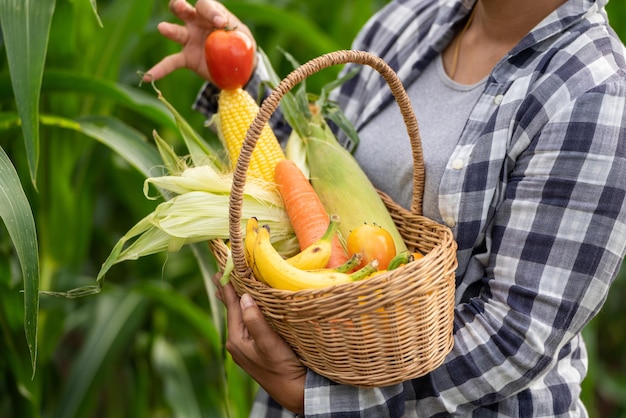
246, 301
219, 22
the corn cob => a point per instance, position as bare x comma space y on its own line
237, 110
342, 185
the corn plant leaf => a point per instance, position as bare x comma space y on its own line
295, 24
9, 120
201, 152
179, 391
94, 7
117, 316
127, 142
129, 97
181, 305
133, 98
208, 267
25, 26
16, 213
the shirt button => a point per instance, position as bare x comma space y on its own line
458, 163
498, 99
450, 221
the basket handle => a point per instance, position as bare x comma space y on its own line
270, 104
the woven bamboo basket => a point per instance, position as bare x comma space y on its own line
376, 332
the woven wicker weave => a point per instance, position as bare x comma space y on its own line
376, 332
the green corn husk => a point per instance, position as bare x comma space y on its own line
198, 212
196, 203
342, 185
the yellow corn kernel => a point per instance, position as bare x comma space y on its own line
237, 110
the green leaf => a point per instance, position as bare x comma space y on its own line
295, 24
25, 28
179, 389
117, 318
130, 145
201, 152
94, 6
130, 97
9, 120
127, 142
181, 305
208, 267
17, 216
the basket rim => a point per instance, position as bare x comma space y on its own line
446, 248
419, 277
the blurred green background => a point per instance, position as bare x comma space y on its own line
151, 343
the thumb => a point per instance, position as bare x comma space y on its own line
253, 318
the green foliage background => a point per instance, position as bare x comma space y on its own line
150, 344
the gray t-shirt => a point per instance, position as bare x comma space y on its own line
442, 107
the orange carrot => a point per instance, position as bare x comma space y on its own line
305, 209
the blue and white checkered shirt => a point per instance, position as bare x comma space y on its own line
537, 210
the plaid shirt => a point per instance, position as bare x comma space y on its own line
537, 209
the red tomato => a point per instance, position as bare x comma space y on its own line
373, 242
229, 58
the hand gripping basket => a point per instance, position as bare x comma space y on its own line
379, 331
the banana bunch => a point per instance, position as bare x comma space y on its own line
302, 271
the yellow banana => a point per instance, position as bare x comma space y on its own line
316, 255
252, 227
278, 273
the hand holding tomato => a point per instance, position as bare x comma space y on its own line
199, 22
374, 243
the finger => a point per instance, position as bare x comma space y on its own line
214, 12
220, 17
256, 324
182, 10
231, 299
164, 67
174, 32
218, 286
236, 327
216, 279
